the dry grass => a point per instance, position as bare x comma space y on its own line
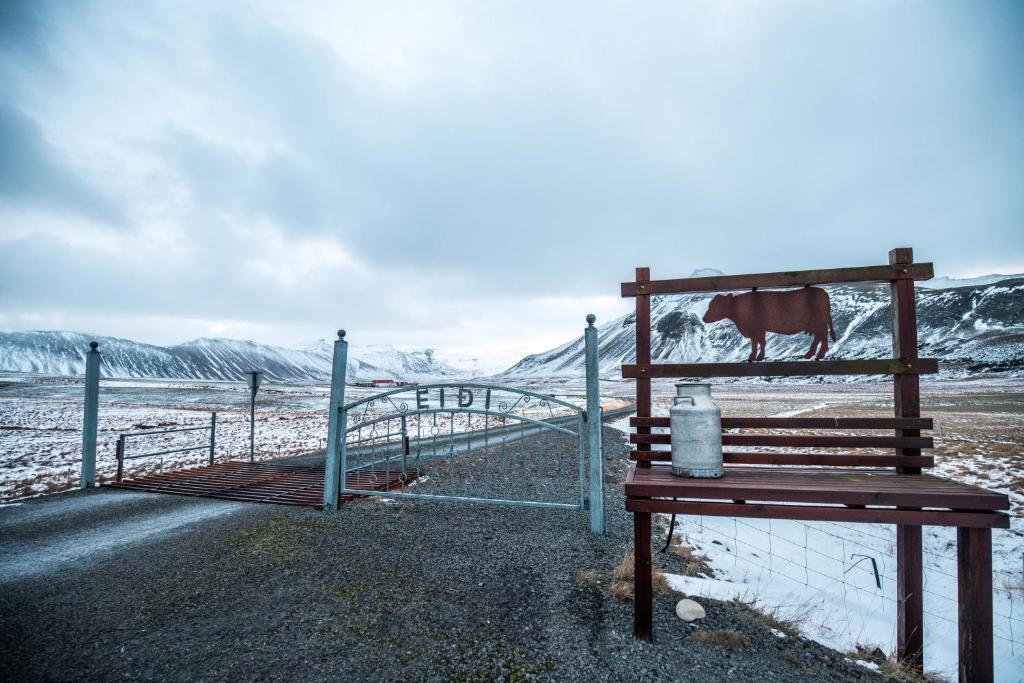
728, 639
769, 618
589, 578
622, 590
622, 579
695, 564
893, 669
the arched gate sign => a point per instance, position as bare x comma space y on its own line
467, 442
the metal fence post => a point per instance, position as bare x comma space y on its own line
594, 415
213, 433
90, 420
119, 452
335, 430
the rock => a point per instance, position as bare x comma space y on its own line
689, 610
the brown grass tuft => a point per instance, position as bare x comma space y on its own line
729, 639
589, 577
622, 590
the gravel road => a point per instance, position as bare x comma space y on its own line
120, 585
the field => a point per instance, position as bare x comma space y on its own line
821, 576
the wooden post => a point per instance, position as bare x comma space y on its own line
974, 588
907, 403
642, 622
643, 356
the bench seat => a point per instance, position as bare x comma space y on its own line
833, 487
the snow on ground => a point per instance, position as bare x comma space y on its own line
41, 418
822, 575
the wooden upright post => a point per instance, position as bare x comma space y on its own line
907, 403
642, 620
974, 588
643, 354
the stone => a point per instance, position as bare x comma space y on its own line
689, 610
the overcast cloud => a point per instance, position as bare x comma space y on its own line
478, 176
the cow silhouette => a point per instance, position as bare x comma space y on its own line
755, 313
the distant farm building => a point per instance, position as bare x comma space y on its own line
384, 383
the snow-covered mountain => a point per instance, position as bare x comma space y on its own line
63, 353
972, 329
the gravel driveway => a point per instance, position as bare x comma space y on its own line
168, 588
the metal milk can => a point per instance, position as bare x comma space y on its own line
696, 425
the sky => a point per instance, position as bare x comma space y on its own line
478, 176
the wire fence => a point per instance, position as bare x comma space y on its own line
837, 559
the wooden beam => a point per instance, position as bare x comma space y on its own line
643, 627
816, 459
643, 351
810, 441
822, 513
798, 278
974, 589
907, 403
801, 422
810, 368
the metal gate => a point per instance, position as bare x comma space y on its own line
468, 442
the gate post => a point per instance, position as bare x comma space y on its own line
335, 431
594, 445
90, 419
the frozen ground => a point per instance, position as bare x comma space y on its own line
819, 574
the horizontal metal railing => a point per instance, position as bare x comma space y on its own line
122, 441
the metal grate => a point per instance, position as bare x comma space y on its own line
275, 483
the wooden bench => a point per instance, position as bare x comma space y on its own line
808, 471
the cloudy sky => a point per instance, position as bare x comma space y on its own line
478, 176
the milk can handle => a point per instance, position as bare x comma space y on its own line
690, 399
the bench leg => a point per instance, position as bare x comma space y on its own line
642, 623
974, 579
909, 598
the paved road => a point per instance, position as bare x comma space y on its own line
51, 534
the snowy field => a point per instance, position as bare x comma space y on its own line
820, 575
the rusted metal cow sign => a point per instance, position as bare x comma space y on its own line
756, 313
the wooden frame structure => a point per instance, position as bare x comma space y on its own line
831, 486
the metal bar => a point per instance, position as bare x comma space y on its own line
547, 424
581, 446
120, 458
595, 447
797, 368
173, 450
462, 499
90, 418
336, 423
815, 441
154, 432
466, 385
213, 434
719, 283
252, 424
